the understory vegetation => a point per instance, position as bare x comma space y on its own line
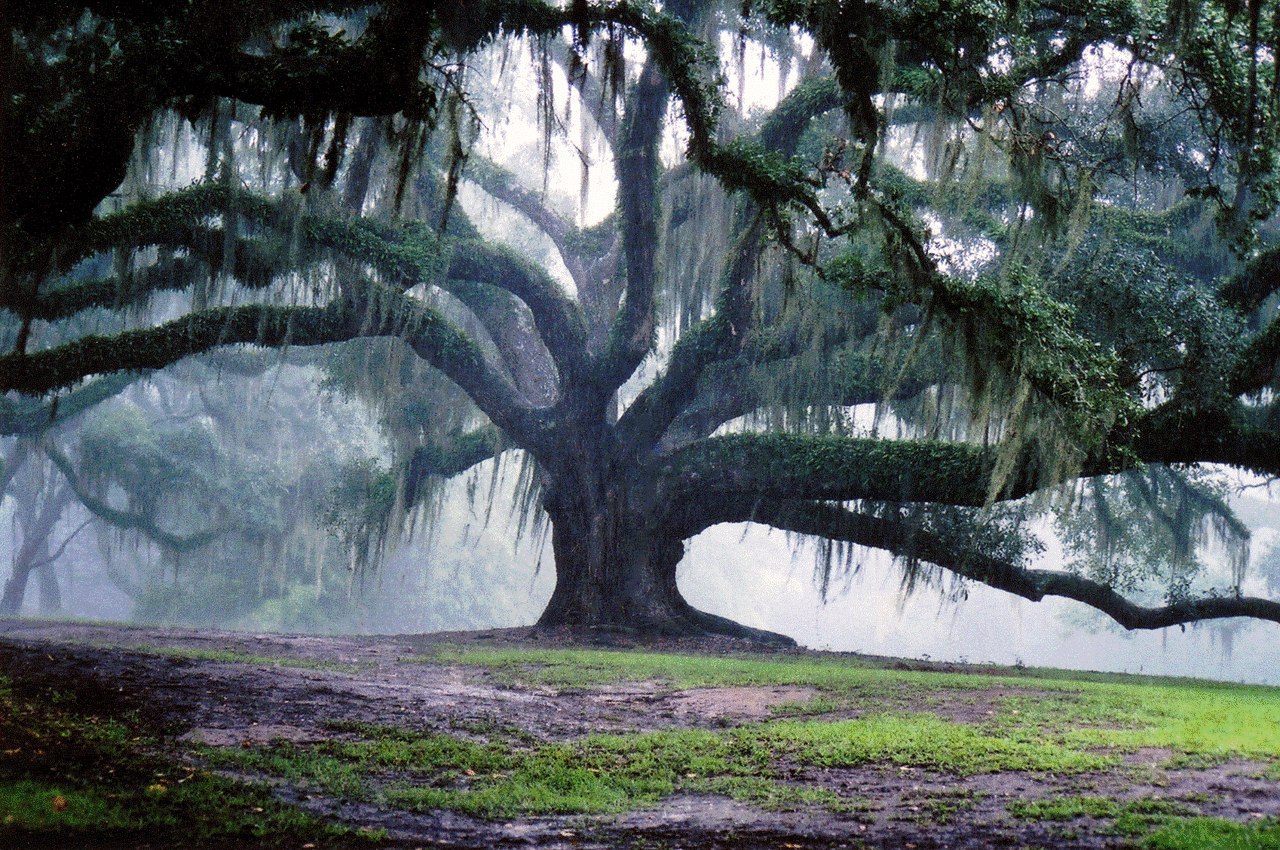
70, 769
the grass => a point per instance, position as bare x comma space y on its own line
1071, 808
1215, 834
1159, 824
73, 774
101, 772
1193, 718
611, 773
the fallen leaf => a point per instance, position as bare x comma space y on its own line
59, 803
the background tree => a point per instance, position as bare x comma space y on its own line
1040, 288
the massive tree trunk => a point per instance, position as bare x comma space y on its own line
616, 560
38, 514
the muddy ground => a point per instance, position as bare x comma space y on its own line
225, 703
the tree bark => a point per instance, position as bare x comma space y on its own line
616, 562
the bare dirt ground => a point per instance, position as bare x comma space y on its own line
225, 703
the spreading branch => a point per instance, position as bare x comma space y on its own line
904, 540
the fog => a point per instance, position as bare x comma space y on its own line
473, 565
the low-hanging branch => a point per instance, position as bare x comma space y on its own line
129, 520
379, 312
447, 459
903, 540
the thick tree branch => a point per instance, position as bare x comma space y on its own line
501, 184
560, 323
509, 325
836, 468
127, 520
632, 334
904, 541
445, 460
1233, 435
386, 313
1258, 365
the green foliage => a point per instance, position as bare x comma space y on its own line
1081, 711
1147, 529
1215, 834
359, 509
1070, 808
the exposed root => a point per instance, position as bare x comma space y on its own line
688, 623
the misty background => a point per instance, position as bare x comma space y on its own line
284, 459
474, 559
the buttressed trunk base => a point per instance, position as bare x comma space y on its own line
614, 575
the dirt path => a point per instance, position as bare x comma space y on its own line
176, 680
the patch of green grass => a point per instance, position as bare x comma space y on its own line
1165, 823
1202, 723
1071, 808
32, 806
919, 740
1191, 717
1215, 834
69, 774
610, 773
587, 668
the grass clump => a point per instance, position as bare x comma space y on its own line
1215, 834
1071, 808
924, 741
612, 773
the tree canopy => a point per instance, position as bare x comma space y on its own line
1036, 237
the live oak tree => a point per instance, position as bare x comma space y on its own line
1036, 235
